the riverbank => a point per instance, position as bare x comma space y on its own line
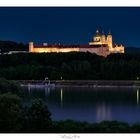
94, 83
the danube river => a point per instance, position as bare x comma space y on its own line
91, 104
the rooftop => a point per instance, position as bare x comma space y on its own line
69, 46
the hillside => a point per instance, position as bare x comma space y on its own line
6, 46
132, 50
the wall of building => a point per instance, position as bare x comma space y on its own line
102, 51
95, 43
47, 50
117, 49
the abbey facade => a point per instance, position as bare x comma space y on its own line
101, 39
101, 45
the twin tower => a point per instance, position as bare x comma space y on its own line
101, 39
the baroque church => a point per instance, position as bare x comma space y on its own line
101, 39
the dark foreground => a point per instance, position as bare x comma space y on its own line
70, 126
36, 118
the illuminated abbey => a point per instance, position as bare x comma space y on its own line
101, 45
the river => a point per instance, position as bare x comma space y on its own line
91, 104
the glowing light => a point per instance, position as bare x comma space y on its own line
137, 96
61, 95
103, 112
47, 50
47, 91
29, 88
46, 78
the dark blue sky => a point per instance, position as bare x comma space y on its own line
69, 25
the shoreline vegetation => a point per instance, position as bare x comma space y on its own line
16, 118
84, 83
69, 66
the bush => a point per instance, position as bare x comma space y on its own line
10, 113
9, 86
38, 118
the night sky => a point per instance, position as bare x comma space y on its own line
69, 25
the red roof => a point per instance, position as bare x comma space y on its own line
69, 46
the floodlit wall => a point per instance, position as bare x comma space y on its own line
102, 51
117, 49
48, 50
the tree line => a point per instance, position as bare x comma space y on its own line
69, 66
6, 46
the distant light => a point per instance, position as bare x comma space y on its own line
61, 78
45, 44
137, 78
137, 96
61, 91
46, 78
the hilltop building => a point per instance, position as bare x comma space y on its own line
101, 39
100, 44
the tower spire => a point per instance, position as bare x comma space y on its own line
109, 33
102, 32
97, 31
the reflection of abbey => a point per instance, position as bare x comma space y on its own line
100, 44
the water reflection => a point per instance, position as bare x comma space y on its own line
88, 104
47, 91
29, 88
39, 88
103, 112
137, 96
61, 96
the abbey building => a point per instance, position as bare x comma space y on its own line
101, 39
101, 45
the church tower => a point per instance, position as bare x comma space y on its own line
103, 38
109, 40
31, 47
97, 37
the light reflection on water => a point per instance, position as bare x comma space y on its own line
61, 94
137, 96
103, 112
88, 104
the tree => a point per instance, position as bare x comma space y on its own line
9, 86
10, 113
38, 117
